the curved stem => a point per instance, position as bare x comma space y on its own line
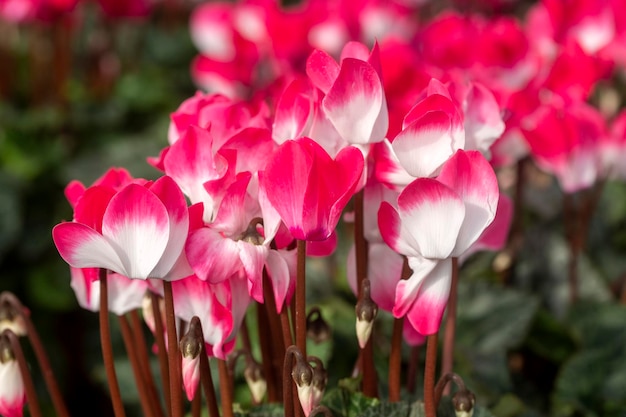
107, 348
429, 376
447, 360
31, 393
173, 353
40, 353
444, 382
291, 402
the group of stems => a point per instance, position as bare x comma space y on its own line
169, 361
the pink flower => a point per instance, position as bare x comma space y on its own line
437, 219
139, 232
12, 392
309, 189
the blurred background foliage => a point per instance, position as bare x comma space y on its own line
79, 98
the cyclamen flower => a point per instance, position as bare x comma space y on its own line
12, 392
309, 189
436, 220
141, 233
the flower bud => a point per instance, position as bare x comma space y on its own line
256, 381
317, 329
302, 375
463, 402
320, 378
366, 311
12, 392
10, 317
191, 348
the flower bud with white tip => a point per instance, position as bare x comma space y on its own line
366, 311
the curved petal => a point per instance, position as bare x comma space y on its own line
125, 294
293, 111
278, 271
427, 310
322, 69
212, 257
138, 226
471, 176
425, 144
393, 233
408, 290
355, 101
174, 201
253, 258
433, 214
411, 336
83, 247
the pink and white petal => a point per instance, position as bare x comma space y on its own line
471, 176
253, 146
174, 201
387, 167
434, 102
427, 310
483, 120
137, 225
495, 236
425, 144
191, 162
408, 290
212, 257
84, 282
232, 217
393, 233
322, 70
354, 103
293, 111
125, 294
12, 391
82, 247
271, 218
384, 272
280, 277
434, 214
253, 259
73, 191
355, 50
191, 374
90, 208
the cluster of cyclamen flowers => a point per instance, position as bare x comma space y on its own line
50, 11
412, 117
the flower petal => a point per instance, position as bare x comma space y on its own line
83, 247
424, 145
322, 69
213, 257
433, 214
407, 290
138, 226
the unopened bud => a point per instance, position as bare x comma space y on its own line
10, 317
317, 329
320, 379
6, 351
366, 311
256, 381
463, 402
191, 346
302, 375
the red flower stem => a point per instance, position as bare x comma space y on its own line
127, 336
447, 360
277, 338
291, 402
144, 363
226, 389
173, 353
300, 318
265, 343
40, 353
395, 360
429, 376
370, 384
411, 379
107, 348
207, 383
31, 392
395, 356
162, 352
